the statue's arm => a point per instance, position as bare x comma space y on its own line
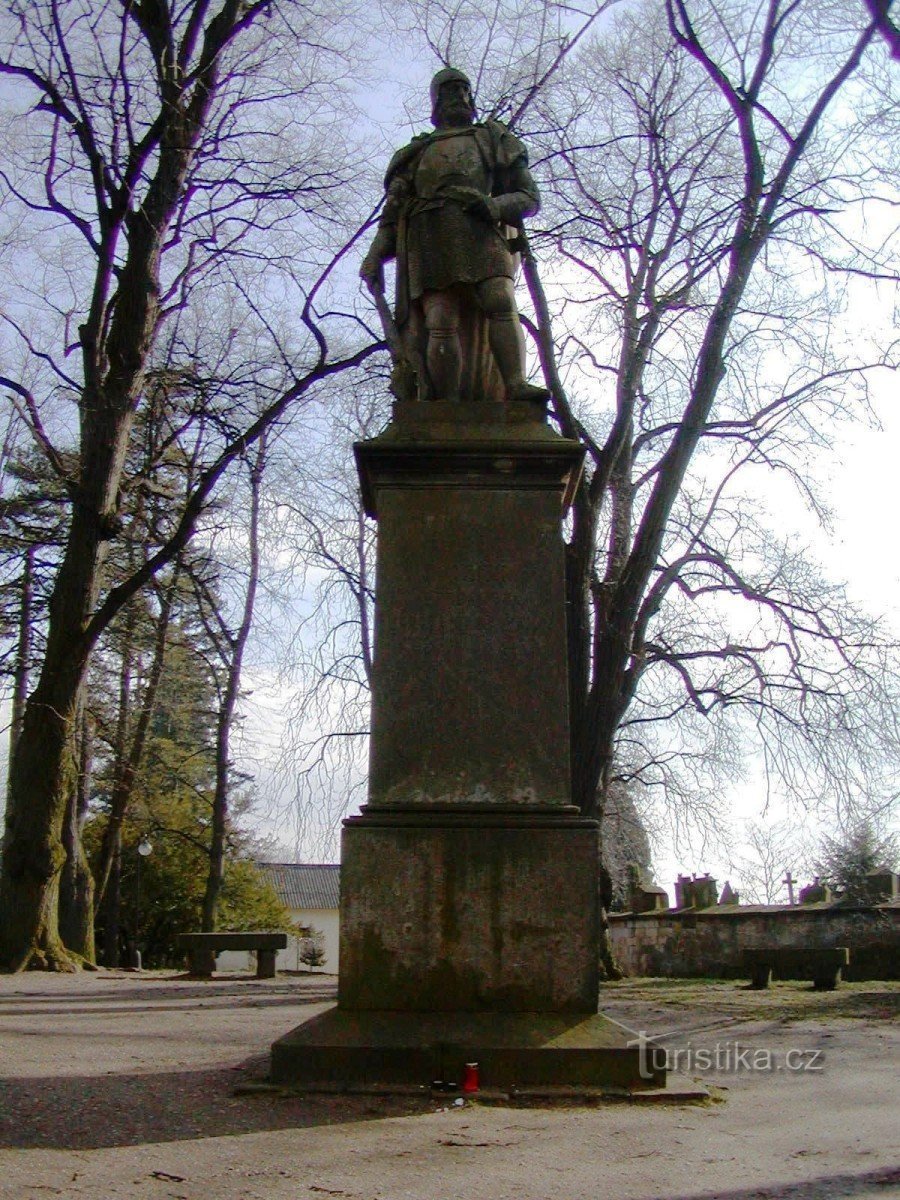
514, 198
514, 195
398, 189
384, 244
520, 197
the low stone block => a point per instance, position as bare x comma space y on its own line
515, 1051
760, 975
202, 949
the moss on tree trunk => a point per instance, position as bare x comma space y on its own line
33, 852
44, 770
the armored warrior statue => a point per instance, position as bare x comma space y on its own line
455, 198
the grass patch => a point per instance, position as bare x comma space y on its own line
790, 1000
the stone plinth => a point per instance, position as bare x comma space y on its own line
516, 1053
469, 890
469, 882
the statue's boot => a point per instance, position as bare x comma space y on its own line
508, 347
529, 393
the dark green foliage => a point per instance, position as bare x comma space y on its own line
846, 859
33, 520
171, 805
172, 880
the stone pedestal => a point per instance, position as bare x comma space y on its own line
469, 694
469, 888
469, 881
467, 911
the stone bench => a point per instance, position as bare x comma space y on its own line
823, 965
202, 949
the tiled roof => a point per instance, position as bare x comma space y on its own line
304, 885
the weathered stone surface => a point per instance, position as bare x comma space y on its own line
517, 1052
816, 893
713, 943
469, 883
469, 887
469, 694
202, 949
467, 911
648, 898
453, 200
823, 965
699, 892
882, 885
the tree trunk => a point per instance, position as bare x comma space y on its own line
609, 968
76, 892
111, 842
117, 337
129, 757
44, 769
23, 654
216, 875
110, 907
33, 853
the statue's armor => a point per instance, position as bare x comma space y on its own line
447, 245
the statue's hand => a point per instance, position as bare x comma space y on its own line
372, 272
460, 194
486, 208
474, 202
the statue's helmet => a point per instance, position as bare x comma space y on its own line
446, 75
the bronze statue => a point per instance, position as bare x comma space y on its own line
455, 199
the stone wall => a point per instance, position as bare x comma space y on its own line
711, 942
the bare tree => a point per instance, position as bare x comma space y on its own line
701, 179
326, 644
698, 241
141, 139
510, 50
230, 645
773, 850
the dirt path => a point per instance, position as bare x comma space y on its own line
123, 1086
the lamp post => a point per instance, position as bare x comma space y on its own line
145, 848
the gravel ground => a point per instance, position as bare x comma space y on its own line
118, 1085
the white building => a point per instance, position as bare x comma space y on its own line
312, 893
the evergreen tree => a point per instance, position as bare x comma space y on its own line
845, 859
171, 806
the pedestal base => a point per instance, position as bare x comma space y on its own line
469, 910
515, 1052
